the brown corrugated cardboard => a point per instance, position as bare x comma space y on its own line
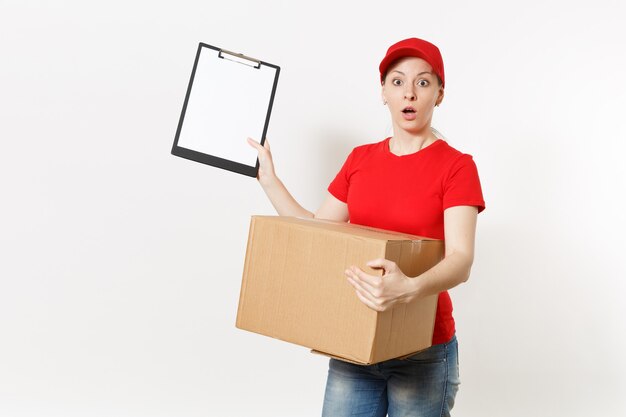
294, 288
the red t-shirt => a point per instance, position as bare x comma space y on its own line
408, 194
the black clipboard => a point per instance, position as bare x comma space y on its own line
229, 98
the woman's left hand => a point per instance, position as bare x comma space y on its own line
380, 293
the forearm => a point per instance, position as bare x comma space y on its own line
282, 200
453, 270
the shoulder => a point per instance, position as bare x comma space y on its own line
371, 147
367, 151
451, 157
447, 151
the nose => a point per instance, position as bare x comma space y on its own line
409, 94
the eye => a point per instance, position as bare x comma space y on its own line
423, 83
396, 81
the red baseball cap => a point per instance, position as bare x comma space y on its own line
414, 47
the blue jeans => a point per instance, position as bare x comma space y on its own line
422, 385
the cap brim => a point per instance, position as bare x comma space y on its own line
397, 54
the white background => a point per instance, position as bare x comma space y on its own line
121, 264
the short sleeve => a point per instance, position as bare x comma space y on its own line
462, 185
340, 185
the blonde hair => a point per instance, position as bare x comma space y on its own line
437, 133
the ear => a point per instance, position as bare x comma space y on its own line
440, 97
382, 94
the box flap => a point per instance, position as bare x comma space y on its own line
341, 358
365, 232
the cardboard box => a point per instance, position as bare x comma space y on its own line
294, 288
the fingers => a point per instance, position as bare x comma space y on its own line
365, 282
266, 165
381, 263
257, 145
366, 294
373, 290
368, 302
372, 281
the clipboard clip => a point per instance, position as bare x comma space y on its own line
239, 58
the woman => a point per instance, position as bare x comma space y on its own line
411, 182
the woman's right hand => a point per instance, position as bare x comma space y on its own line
266, 164
279, 196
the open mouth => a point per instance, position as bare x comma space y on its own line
408, 110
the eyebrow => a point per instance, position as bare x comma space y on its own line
423, 72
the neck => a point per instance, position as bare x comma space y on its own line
404, 143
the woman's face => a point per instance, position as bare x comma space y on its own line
411, 91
